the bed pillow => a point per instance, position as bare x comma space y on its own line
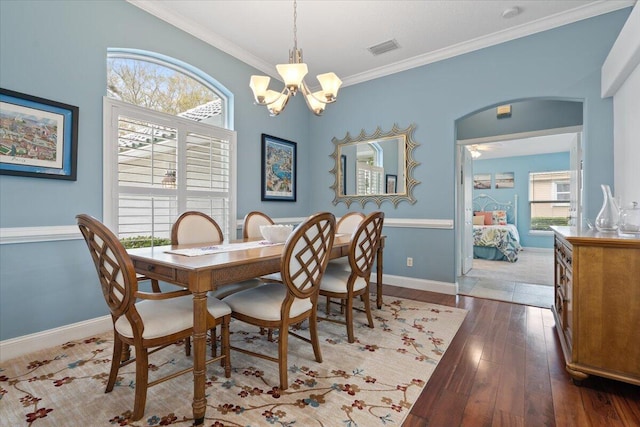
478, 220
499, 218
488, 216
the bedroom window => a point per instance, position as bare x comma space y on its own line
164, 148
549, 195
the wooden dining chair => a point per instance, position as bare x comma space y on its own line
252, 222
345, 285
194, 227
148, 321
349, 222
280, 305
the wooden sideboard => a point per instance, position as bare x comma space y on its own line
597, 303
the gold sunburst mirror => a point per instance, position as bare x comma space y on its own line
375, 168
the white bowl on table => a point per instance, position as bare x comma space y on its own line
277, 233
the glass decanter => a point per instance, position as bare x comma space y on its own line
609, 215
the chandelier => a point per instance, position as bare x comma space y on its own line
475, 153
293, 75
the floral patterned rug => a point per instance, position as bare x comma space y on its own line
371, 382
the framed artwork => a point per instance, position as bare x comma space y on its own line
505, 180
482, 181
343, 174
392, 184
38, 137
278, 169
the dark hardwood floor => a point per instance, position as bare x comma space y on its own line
505, 368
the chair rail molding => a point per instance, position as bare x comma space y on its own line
12, 235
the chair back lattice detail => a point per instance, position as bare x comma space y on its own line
114, 267
306, 255
252, 222
364, 244
193, 227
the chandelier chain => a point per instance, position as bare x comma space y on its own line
295, 26
293, 75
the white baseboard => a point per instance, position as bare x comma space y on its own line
420, 284
532, 249
16, 347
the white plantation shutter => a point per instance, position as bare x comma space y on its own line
143, 148
369, 179
208, 177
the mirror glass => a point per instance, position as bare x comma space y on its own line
374, 167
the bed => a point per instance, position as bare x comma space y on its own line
495, 229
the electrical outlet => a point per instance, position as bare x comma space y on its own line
409, 262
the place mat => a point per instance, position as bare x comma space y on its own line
229, 247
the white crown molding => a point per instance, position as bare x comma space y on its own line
155, 8
587, 11
39, 234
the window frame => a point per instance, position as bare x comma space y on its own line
112, 109
553, 202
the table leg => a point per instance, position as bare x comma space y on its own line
379, 274
199, 356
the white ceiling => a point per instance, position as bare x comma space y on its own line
526, 146
335, 34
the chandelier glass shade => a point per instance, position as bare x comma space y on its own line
293, 75
475, 153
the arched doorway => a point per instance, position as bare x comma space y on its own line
539, 140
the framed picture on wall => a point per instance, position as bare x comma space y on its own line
343, 174
392, 184
505, 180
38, 137
278, 169
482, 181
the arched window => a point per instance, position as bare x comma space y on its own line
168, 147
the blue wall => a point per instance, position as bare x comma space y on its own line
521, 166
563, 63
62, 57
57, 50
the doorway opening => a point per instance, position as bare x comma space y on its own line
521, 179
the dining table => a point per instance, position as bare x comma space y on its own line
202, 268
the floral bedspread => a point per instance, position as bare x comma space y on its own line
503, 238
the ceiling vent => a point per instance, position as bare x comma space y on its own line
384, 47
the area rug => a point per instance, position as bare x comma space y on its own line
371, 382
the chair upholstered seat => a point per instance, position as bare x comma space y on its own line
335, 280
146, 321
227, 290
265, 303
346, 284
271, 278
281, 305
166, 317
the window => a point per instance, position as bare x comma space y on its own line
163, 158
549, 199
370, 170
